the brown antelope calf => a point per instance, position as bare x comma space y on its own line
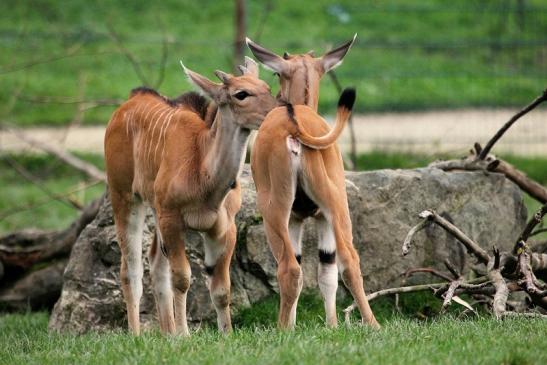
183, 158
295, 182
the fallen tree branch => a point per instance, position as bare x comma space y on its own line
408, 240
531, 187
87, 168
24, 249
405, 289
451, 291
532, 223
502, 291
471, 246
428, 270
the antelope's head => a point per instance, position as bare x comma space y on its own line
299, 75
247, 97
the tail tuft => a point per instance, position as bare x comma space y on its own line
347, 98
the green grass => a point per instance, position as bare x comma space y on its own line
403, 339
37, 210
60, 179
409, 54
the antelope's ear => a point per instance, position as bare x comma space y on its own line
269, 59
214, 90
250, 67
333, 58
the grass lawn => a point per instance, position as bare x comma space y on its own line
403, 339
409, 54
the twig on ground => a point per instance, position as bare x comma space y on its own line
532, 223
471, 246
502, 292
428, 270
417, 228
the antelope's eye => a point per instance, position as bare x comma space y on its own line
240, 95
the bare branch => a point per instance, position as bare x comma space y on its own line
533, 188
26, 207
268, 7
29, 177
452, 268
70, 100
130, 57
72, 51
408, 240
406, 289
471, 246
491, 164
538, 231
502, 292
486, 150
428, 270
450, 292
89, 169
164, 55
528, 280
532, 223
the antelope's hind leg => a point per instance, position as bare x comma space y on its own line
275, 203
129, 219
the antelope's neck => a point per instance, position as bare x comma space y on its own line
303, 87
226, 152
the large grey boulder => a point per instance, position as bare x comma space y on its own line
384, 206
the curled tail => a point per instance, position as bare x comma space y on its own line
345, 104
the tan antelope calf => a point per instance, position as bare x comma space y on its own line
295, 182
183, 158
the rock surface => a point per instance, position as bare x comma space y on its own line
384, 205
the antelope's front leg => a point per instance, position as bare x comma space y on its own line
171, 229
219, 248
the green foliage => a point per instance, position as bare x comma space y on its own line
409, 54
37, 210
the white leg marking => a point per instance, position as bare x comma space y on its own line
327, 272
213, 250
327, 241
134, 252
295, 234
